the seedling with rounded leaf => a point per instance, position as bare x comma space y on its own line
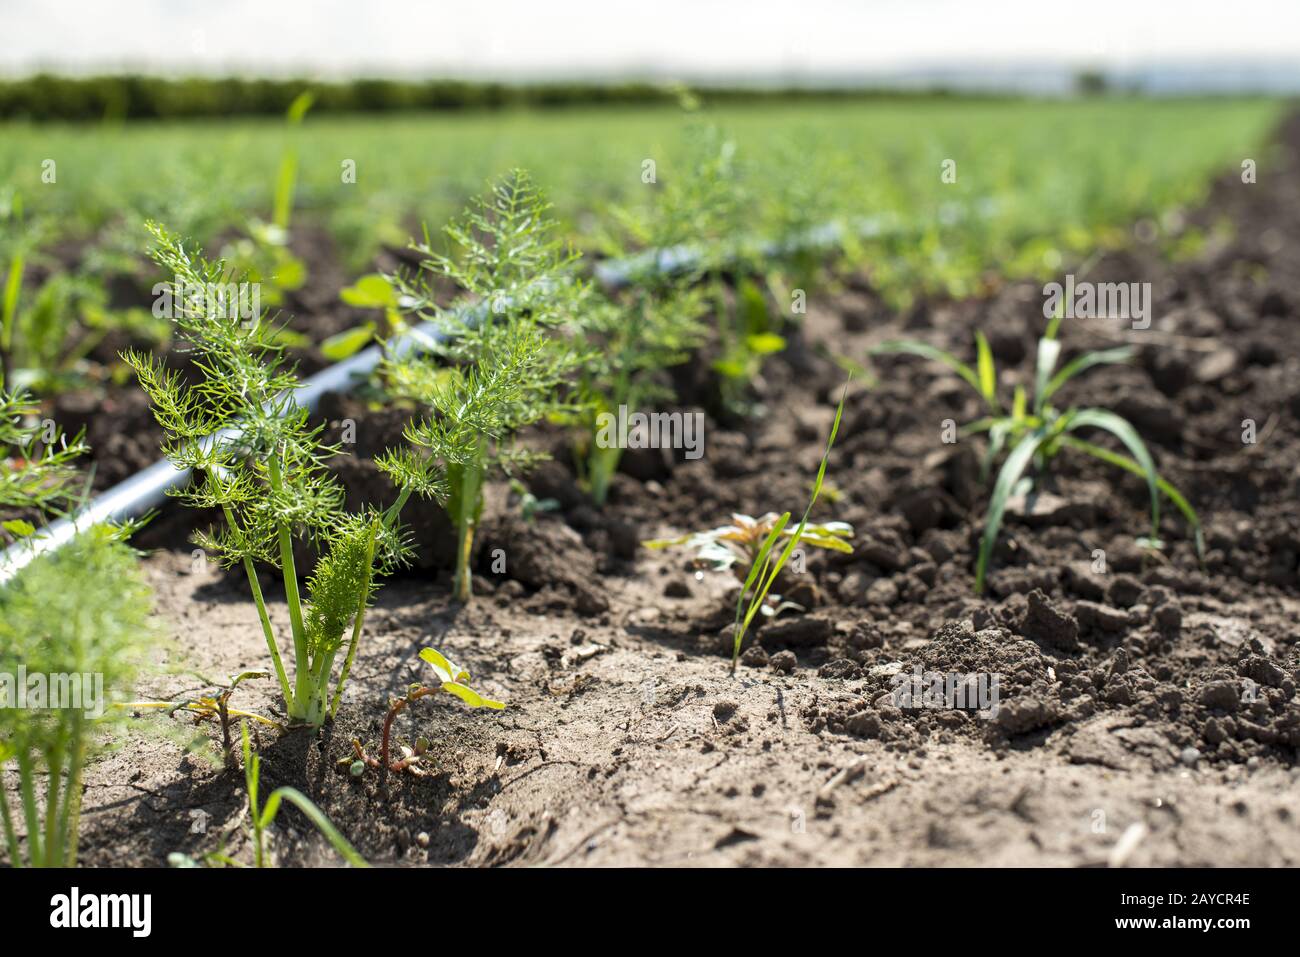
372, 291
1033, 432
452, 679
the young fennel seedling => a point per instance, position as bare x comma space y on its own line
504, 364
258, 462
82, 619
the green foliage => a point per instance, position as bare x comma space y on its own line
739, 544
263, 468
861, 160
1034, 434
81, 614
77, 622
658, 320
371, 291
764, 569
505, 363
452, 679
35, 476
287, 177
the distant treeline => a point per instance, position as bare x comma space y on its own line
47, 97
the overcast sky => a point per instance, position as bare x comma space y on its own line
684, 37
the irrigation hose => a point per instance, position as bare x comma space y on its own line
148, 489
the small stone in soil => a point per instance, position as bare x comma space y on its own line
1189, 756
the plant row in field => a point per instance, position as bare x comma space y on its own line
792, 169
524, 339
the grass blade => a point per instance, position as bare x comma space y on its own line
769, 569
926, 351
1176, 497
1122, 430
316, 816
9, 305
1012, 469
1049, 350
1082, 363
987, 371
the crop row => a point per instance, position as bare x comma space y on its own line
526, 339
1050, 181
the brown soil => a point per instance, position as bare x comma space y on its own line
1156, 698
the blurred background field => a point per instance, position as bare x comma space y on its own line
967, 188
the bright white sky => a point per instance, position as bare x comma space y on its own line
686, 37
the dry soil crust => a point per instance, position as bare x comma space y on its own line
1156, 699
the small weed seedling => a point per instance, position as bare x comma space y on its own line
263, 468
264, 817
754, 541
215, 705
504, 362
739, 546
1035, 433
76, 626
451, 679
371, 291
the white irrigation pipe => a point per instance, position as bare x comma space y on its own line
148, 489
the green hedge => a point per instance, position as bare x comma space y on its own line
46, 97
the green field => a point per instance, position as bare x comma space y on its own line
1037, 184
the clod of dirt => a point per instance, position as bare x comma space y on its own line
804, 631
1045, 624
1097, 617
1044, 509
784, 662
1080, 580
1124, 591
1022, 715
676, 588
1222, 695
546, 552
839, 668
864, 724
724, 709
